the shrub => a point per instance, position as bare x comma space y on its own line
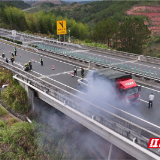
16, 97
2, 111
8, 39
12, 121
88, 41
2, 124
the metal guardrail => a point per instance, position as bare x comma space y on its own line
104, 117
43, 39
25, 46
79, 59
97, 61
142, 58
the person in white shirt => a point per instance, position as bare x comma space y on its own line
151, 98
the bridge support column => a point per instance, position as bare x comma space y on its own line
30, 94
110, 152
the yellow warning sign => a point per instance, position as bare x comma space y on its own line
61, 27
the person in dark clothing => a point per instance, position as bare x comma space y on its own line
41, 61
151, 98
82, 72
30, 65
26, 67
75, 71
7, 60
12, 59
12, 54
15, 51
3, 55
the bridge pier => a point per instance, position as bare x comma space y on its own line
30, 94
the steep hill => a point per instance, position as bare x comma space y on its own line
93, 12
151, 12
18, 3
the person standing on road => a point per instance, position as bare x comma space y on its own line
41, 61
75, 71
12, 54
151, 98
15, 51
82, 72
3, 55
12, 60
30, 65
7, 60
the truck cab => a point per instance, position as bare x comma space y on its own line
125, 86
128, 91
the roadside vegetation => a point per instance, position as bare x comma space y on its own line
21, 140
14, 96
101, 24
2, 111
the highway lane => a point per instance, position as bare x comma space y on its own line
65, 81
144, 67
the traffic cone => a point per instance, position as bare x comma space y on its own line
53, 67
34, 60
10, 51
20, 55
72, 74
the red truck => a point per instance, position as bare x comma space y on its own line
126, 87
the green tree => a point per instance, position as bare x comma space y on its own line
132, 34
104, 31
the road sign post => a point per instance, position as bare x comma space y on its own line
61, 28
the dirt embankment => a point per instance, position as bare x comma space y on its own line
153, 13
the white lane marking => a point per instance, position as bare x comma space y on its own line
143, 100
75, 76
107, 56
145, 65
150, 88
80, 51
124, 62
104, 103
59, 82
111, 58
67, 72
110, 105
51, 58
80, 67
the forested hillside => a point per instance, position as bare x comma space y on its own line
18, 3
115, 24
93, 12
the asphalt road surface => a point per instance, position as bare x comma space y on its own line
143, 66
61, 77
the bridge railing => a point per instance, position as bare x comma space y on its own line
42, 38
127, 129
142, 58
142, 76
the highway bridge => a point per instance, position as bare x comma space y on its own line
130, 127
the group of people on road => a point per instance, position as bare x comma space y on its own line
75, 72
28, 66
12, 56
